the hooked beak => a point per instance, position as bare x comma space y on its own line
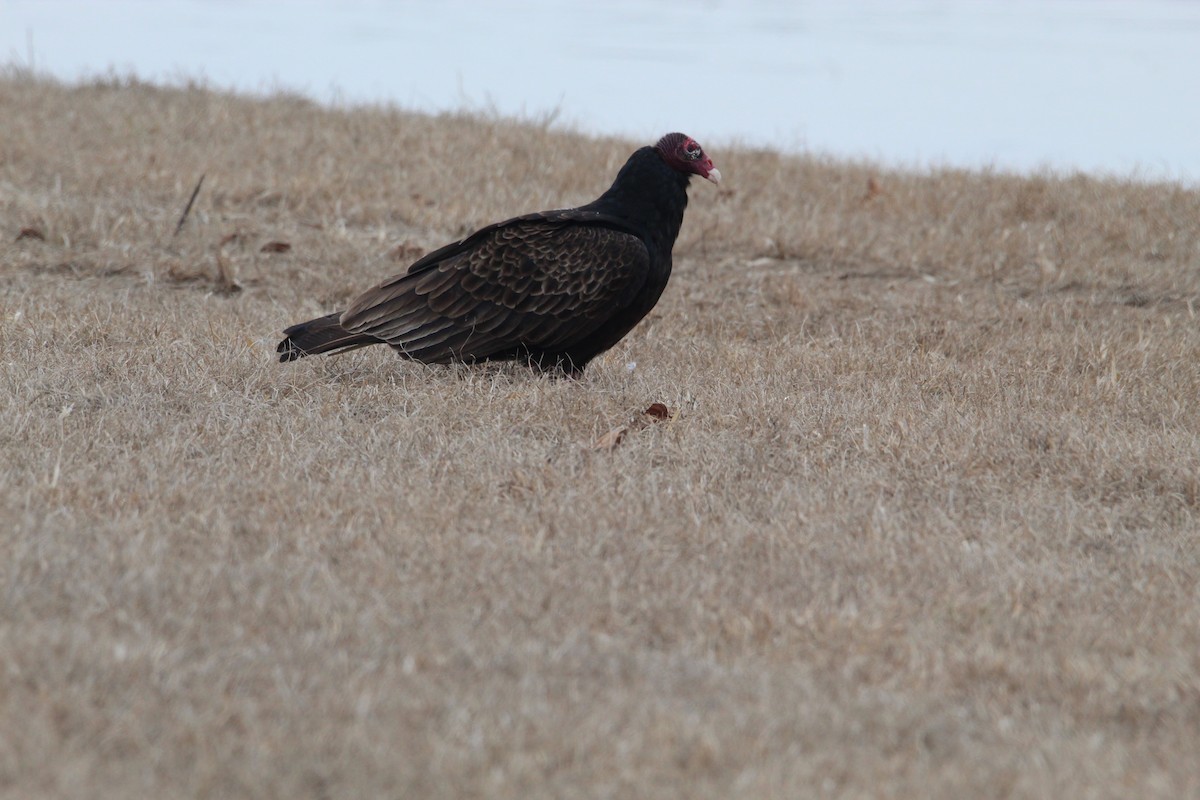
713, 175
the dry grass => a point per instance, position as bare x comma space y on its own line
924, 524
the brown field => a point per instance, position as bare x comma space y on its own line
924, 522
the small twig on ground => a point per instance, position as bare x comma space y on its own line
187, 209
227, 282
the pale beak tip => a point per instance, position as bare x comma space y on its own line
713, 175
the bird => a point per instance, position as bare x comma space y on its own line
554, 288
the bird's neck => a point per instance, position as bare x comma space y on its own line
648, 195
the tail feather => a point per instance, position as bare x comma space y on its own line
320, 335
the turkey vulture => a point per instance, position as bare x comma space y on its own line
556, 288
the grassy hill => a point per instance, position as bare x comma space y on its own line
922, 520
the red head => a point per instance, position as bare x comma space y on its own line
684, 154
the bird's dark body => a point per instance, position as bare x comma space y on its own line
554, 288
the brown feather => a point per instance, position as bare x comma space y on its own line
502, 289
320, 335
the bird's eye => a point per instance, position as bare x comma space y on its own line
692, 150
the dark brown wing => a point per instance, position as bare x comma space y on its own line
542, 282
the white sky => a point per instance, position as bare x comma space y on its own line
1099, 85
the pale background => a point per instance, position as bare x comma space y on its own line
1098, 85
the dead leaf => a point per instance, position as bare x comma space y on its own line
275, 247
237, 237
31, 233
873, 190
406, 252
658, 411
610, 440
